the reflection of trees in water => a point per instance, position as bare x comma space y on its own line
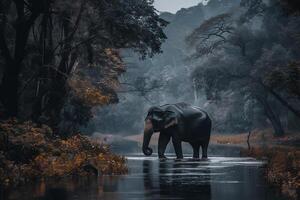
175, 181
56, 193
179, 184
147, 173
81, 188
3, 193
110, 184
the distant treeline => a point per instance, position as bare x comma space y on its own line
237, 59
247, 62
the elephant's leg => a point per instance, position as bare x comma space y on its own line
196, 149
162, 144
204, 150
177, 147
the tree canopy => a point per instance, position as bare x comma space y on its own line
257, 65
46, 46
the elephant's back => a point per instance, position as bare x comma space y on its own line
194, 123
198, 128
191, 114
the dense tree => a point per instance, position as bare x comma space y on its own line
242, 59
211, 34
17, 19
44, 44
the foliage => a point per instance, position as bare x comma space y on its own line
286, 78
282, 168
282, 156
87, 93
257, 137
134, 19
211, 34
95, 86
57, 40
254, 8
242, 56
29, 152
291, 6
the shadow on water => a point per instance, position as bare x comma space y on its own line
181, 184
56, 193
148, 178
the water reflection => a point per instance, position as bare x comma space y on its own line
56, 193
215, 179
109, 184
179, 183
147, 171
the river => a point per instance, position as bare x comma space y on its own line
230, 178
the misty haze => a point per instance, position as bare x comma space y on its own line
142, 99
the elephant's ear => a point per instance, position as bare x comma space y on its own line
155, 113
170, 119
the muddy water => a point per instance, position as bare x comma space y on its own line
218, 178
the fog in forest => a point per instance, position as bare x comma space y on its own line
84, 86
204, 72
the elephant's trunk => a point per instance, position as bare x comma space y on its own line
148, 132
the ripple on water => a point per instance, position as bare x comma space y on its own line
217, 178
218, 161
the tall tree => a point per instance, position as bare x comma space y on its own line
21, 17
238, 55
54, 39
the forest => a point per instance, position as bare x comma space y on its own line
59, 59
74, 74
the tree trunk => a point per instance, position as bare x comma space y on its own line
9, 90
10, 80
279, 98
59, 88
44, 74
248, 140
278, 130
57, 99
273, 118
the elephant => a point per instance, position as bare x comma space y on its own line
180, 122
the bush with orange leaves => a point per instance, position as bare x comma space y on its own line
30, 152
90, 87
88, 93
283, 168
96, 85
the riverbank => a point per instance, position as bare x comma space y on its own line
283, 168
30, 152
257, 137
282, 155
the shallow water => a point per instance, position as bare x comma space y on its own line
215, 179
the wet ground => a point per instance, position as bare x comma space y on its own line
218, 178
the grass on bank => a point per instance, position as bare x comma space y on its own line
257, 137
282, 154
283, 167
